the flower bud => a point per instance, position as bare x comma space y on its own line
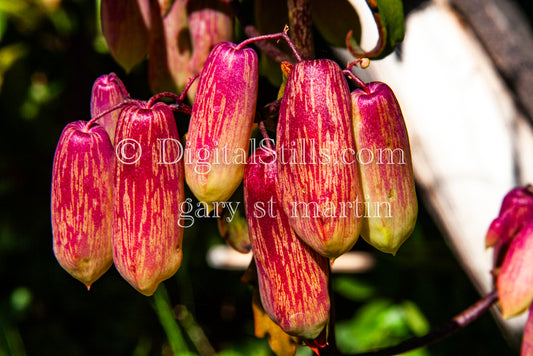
108, 91
515, 280
318, 177
125, 25
234, 230
516, 210
82, 193
293, 279
170, 48
148, 193
221, 123
384, 158
210, 22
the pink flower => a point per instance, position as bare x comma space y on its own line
511, 234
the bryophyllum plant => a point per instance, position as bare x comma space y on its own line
118, 184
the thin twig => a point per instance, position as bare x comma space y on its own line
356, 79
105, 112
187, 86
162, 95
274, 36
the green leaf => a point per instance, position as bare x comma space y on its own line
353, 289
380, 323
390, 22
415, 319
394, 23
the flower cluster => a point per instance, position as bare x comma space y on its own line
106, 210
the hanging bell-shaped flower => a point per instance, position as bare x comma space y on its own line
148, 193
221, 123
318, 176
515, 278
125, 25
107, 92
293, 278
384, 158
210, 22
82, 193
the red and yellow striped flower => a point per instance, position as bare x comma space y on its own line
82, 193
384, 157
318, 176
148, 193
221, 123
108, 91
293, 278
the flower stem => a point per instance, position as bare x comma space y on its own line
264, 133
359, 82
179, 105
105, 112
274, 36
301, 27
169, 322
158, 96
186, 89
459, 321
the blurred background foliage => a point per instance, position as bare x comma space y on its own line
50, 54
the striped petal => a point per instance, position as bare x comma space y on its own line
293, 279
210, 22
82, 190
384, 158
148, 193
319, 181
108, 91
515, 280
221, 123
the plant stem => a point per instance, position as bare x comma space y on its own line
272, 37
264, 133
105, 112
168, 321
194, 331
356, 79
459, 321
356, 51
186, 89
159, 96
300, 27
